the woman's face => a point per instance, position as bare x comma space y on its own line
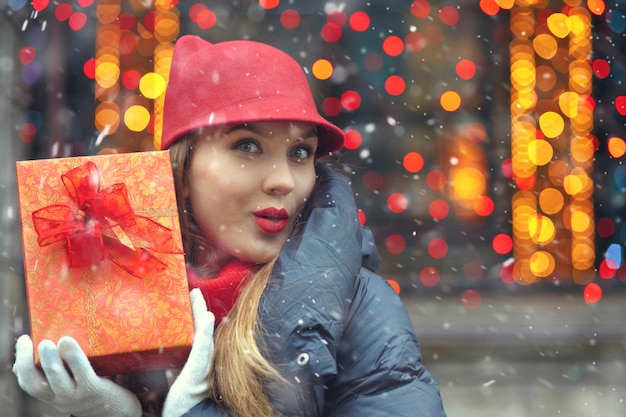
247, 186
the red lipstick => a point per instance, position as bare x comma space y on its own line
271, 219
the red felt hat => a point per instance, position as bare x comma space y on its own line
238, 82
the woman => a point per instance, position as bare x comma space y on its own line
304, 327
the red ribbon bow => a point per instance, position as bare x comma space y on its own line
88, 227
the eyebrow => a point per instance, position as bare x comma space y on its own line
255, 128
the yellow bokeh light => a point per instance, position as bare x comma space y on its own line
107, 74
152, 85
583, 255
540, 152
450, 101
545, 45
580, 221
542, 264
136, 118
541, 229
322, 69
572, 184
551, 124
559, 25
551, 200
468, 183
523, 75
568, 103
616, 146
582, 149
107, 117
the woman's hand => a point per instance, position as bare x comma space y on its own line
191, 385
79, 392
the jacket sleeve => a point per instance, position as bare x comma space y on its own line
380, 369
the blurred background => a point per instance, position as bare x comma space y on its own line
486, 140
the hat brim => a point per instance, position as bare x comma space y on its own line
265, 109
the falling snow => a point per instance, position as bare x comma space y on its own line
507, 249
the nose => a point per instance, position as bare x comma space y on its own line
279, 178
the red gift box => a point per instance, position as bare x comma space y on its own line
104, 261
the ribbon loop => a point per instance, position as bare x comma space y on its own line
87, 228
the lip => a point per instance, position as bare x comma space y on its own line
272, 219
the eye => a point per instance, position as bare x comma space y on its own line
247, 146
301, 152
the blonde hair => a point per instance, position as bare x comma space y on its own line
240, 370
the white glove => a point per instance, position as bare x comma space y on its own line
81, 393
191, 385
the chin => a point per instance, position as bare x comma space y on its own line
259, 259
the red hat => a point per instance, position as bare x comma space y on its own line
238, 82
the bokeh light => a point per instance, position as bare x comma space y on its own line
450, 101
413, 162
322, 69
397, 203
359, 21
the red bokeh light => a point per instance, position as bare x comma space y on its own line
397, 203
362, 217
601, 68
351, 100
413, 162
372, 180
290, 19
77, 21
607, 269
429, 276
415, 41
353, 139
439, 209
395, 244
40, 5
465, 69
331, 106
63, 12
471, 299
331, 32
269, 4
483, 206
489, 7
130, 79
420, 9
502, 243
592, 293
436, 179
393, 45
449, 15
606, 227
438, 248
359, 21
27, 55
506, 272
507, 168
89, 68
525, 183
206, 19
395, 85
338, 17
27, 132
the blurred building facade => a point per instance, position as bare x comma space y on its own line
427, 92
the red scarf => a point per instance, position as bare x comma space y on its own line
221, 292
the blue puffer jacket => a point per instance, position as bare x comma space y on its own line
336, 330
